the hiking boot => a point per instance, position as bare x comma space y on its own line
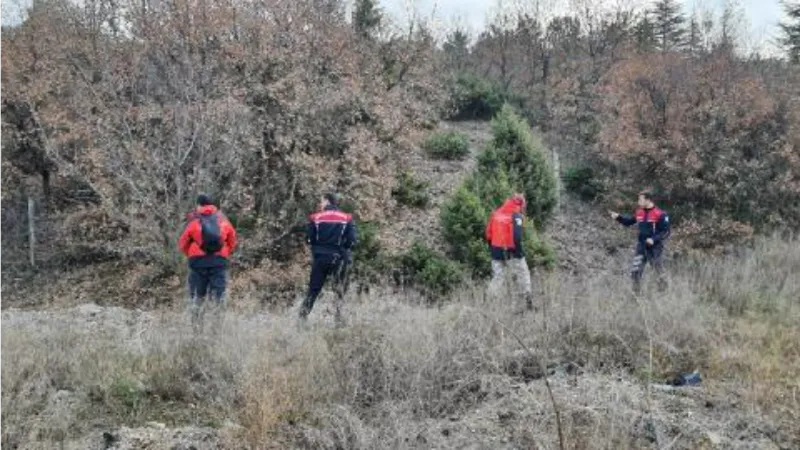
302, 316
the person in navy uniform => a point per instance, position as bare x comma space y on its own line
331, 234
654, 230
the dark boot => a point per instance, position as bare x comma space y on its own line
305, 308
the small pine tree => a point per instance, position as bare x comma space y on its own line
668, 25
791, 31
645, 35
523, 157
490, 185
367, 17
514, 161
463, 218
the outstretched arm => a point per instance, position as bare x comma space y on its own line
624, 219
310, 232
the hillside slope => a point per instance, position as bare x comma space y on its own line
585, 240
403, 224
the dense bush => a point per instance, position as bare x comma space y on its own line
260, 118
522, 155
432, 273
409, 191
473, 97
463, 219
514, 161
583, 182
447, 145
369, 261
538, 252
710, 134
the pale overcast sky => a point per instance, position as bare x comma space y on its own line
761, 16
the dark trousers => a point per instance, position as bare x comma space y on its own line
207, 280
322, 267
202, 282
644, 255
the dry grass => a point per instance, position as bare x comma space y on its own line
406, 376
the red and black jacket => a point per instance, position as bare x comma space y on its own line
190, 242
504, 231
331, 232
653, 224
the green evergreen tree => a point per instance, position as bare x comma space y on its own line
790, 30
523, 156
367, 17
668, 21
515, 161
645, 35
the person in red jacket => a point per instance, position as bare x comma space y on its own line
504, 234
207, 241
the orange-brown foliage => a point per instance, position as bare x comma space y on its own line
708, 132
263, 104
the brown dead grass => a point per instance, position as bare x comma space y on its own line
408, 376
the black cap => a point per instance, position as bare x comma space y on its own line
204, 200
332, 198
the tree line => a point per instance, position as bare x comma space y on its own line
118, 112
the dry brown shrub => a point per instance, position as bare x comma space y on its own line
148, 106
708, 133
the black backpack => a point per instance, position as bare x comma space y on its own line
211, 234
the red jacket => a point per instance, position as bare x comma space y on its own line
504, 230
190, 240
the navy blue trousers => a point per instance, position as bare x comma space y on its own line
323, 267
207, 280
644, 255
